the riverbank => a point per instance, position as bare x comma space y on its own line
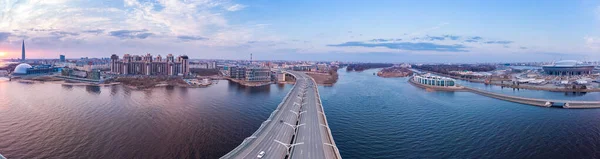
137, 83
516, 99
325, 79
150, 82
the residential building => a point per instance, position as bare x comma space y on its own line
147, 65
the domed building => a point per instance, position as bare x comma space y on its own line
26, 69
568, 68
21, 69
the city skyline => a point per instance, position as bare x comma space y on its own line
384, 31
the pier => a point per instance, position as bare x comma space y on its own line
298, 128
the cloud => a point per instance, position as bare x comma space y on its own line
94, 31
131, 34
4, 36
41, 30
235, 7
592, 42
161, 18
433, 38
381, 40
191, 38
452, 37
64, 33
499, 42
474, 39
523, 48
421, 46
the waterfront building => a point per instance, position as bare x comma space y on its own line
250, 74
147, 65
258, 74
568, 68
431, 80
281, 76
238, 73
26, 69
70, 72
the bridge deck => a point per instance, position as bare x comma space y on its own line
296, 129
535, 101
516, 99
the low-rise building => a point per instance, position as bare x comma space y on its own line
435, 80
258, 74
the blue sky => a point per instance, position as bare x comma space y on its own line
345, 30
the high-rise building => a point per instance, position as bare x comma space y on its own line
62, 58
146, 65
23, 51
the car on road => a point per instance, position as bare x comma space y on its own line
261, 154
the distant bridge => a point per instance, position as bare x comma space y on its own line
516, 99
537, 102
296, 129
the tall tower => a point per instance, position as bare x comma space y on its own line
23, 51
250, 58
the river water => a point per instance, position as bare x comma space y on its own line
370, 117
55, 121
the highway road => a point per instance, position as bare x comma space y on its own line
296, 129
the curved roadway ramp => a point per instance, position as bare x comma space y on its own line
296, 129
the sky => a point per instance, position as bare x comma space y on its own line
465, 31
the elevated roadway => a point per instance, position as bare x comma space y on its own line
296, 129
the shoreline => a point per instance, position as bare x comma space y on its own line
568, 104
324, 79
249, 84
66, 82
529, 87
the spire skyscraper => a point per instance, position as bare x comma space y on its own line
23, 51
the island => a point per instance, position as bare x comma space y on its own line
365, 66
394, 72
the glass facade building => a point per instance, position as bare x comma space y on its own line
434, 80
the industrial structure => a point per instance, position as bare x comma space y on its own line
568, 68
147, 65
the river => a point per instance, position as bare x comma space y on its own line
54, 121
370, 117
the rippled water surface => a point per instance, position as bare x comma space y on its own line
373, 117
55, 121
370, 117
